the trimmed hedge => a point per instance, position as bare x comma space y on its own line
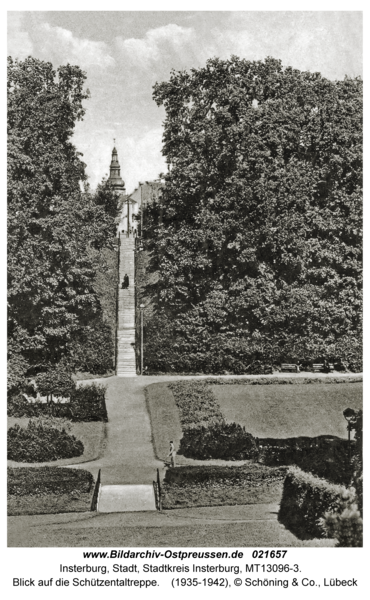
39, 481
305, 501
198, 475
283, 381
323, 456
208, 485
87, 403
228, 441
196, 403
41, 443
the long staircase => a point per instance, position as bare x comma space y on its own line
125, 364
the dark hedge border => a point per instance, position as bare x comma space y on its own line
227, 441
285, 381
39, 481
323, 456
305, 501
39, 443
183, 476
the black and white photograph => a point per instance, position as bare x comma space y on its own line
184, 278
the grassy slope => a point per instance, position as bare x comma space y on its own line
287, 411
164, 418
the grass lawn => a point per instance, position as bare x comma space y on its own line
91, 434
283, 411
168, 529
164, 418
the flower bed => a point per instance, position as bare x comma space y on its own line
38, 481
44, 490
87, 403
220, 485
40, 443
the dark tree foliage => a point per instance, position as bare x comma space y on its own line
56, 383
56, 228
257, 238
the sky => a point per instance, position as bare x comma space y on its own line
125, 53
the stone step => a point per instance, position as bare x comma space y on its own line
127, 374
126, 360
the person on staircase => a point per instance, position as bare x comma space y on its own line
125, 282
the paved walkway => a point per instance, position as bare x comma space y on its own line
129, 456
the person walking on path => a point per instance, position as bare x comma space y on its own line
172, 454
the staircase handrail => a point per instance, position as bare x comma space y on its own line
159, 487
94, 501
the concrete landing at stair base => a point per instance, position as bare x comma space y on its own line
126, 498
133, 374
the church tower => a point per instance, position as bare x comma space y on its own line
115, 173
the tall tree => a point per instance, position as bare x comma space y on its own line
53, 223
258, 244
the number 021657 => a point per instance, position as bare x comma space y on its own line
269, 553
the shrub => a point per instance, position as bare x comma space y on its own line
55, 382
305, 501
88, 403
228, 441
17, 370
39, 442
19, 406
346, 523
323, 456
38, 481
196, 403
93, 351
